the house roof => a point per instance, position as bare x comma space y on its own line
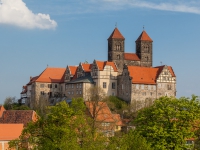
2, 109
52, 75
102, 64
87, 67
144, 37
118, 120
100, 111
143, 75
10, 131
18, 116
168, 67
131, 56
116, 34
84, 79
32, 79
24, 89
73, 69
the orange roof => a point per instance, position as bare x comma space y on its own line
87, 67
131, 56
2, 109
102, 64
32, 80
18, 116
100, 111
143, 75
73, 69
169, 68
118, 120
144, 37
24, 90
116, 35
10, 131
52, 75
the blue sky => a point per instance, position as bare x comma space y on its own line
35, 33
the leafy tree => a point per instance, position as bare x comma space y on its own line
63, 127
169, 122
11, 104
130, 141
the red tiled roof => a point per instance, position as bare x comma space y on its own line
24, 90
116, 35
100, 111
10, 131
73, 69
32, 80
18, 116
87, 67
131, 56
170, 70
2, 109
144, 37
118, 120
143, 75
102, 64
52, 75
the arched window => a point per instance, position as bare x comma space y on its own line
118, 56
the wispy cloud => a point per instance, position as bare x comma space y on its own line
191, 6
15, 12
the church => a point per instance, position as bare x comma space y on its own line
129, 76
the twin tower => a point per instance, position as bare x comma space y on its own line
142, 57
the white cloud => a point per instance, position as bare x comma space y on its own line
15, 12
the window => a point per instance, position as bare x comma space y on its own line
80, 86
55, 85
76, 92
77, 86
149, 87
69, 93
169, 87
118, 56
72, 86
105, 124
113, 85
66, 86
80, 92
113, 94
104, 85
122, 86
72, 92
41, 85
49, 85
144, 93
151, 93
94, 83
142, 86
42, 92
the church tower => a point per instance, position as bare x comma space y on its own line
144, 49
116, 49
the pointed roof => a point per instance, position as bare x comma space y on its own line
144, 37
116, 35
73, 69
52, 75
102, 64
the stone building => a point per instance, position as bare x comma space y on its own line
129, 76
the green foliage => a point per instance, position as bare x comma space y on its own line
11, 104
63, 127
169, 122
130, 141
116, 105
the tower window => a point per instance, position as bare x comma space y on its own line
118, 56
118, 47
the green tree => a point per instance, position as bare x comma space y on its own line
169, 122
63, 127
130, 141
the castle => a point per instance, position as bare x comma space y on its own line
129, 76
